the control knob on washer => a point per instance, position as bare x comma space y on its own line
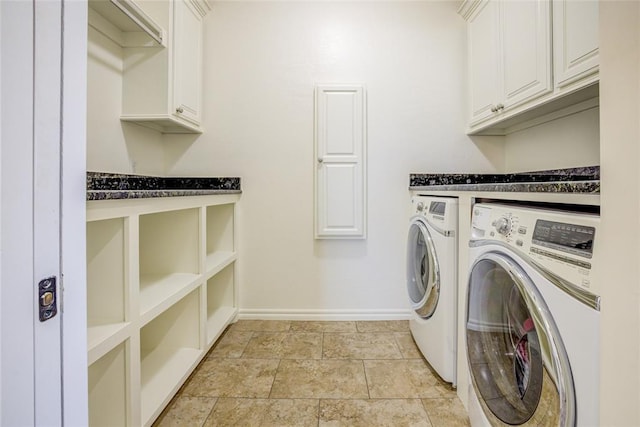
420, 207
502, 225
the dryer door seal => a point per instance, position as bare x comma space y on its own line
517, 360
423, 272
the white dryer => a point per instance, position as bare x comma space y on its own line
431, 280
532, 317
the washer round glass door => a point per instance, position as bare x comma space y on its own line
423, 272
517, 361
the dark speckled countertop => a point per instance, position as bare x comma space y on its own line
112, 186
571, 180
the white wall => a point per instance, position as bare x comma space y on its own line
114, 146
570, 141
262, 60
620, 200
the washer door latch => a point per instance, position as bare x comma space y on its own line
47, 298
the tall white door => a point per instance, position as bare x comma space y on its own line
17, 300
31, 222
340, 162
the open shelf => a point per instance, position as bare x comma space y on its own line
101, 339
108, 389
220, 248
169, 258
219, 260
220, 302
170, 349
160, 291
106, 285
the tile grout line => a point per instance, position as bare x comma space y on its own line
366, 378
427, 412
274, 378
204, 422
252, 334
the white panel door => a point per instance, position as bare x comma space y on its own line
575, 40
17, 301
526, 48
340, 193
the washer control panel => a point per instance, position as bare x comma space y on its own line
561, 242
502, 225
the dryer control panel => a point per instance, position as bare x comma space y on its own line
441, 212
560, 242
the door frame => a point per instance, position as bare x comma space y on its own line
37, 208
75, 408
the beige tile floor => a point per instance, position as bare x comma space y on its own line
291, 373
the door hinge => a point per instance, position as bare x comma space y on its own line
47, 298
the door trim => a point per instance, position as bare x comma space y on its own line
73, 211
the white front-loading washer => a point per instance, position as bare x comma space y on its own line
431, 280
532, 317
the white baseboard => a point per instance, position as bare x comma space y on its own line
295, 314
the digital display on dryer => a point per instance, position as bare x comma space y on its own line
437, 208
570, 238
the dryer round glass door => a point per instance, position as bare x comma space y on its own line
423, 273
518, 364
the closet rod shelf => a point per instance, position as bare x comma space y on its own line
125, 23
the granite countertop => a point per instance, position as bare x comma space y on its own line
113, 186
571, 180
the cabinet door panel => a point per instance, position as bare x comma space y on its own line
575, 25
340, 171
483, 61
340, 190
187, 62
526, 47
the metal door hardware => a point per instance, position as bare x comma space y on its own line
47, 298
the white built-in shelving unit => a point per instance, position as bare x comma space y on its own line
161, 288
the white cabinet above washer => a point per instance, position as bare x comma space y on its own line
509, 56
575, 41
516, 74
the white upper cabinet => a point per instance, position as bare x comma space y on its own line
483, 61
509, 55
526, 50
516, 73
162, 86
575, 38
187, 63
